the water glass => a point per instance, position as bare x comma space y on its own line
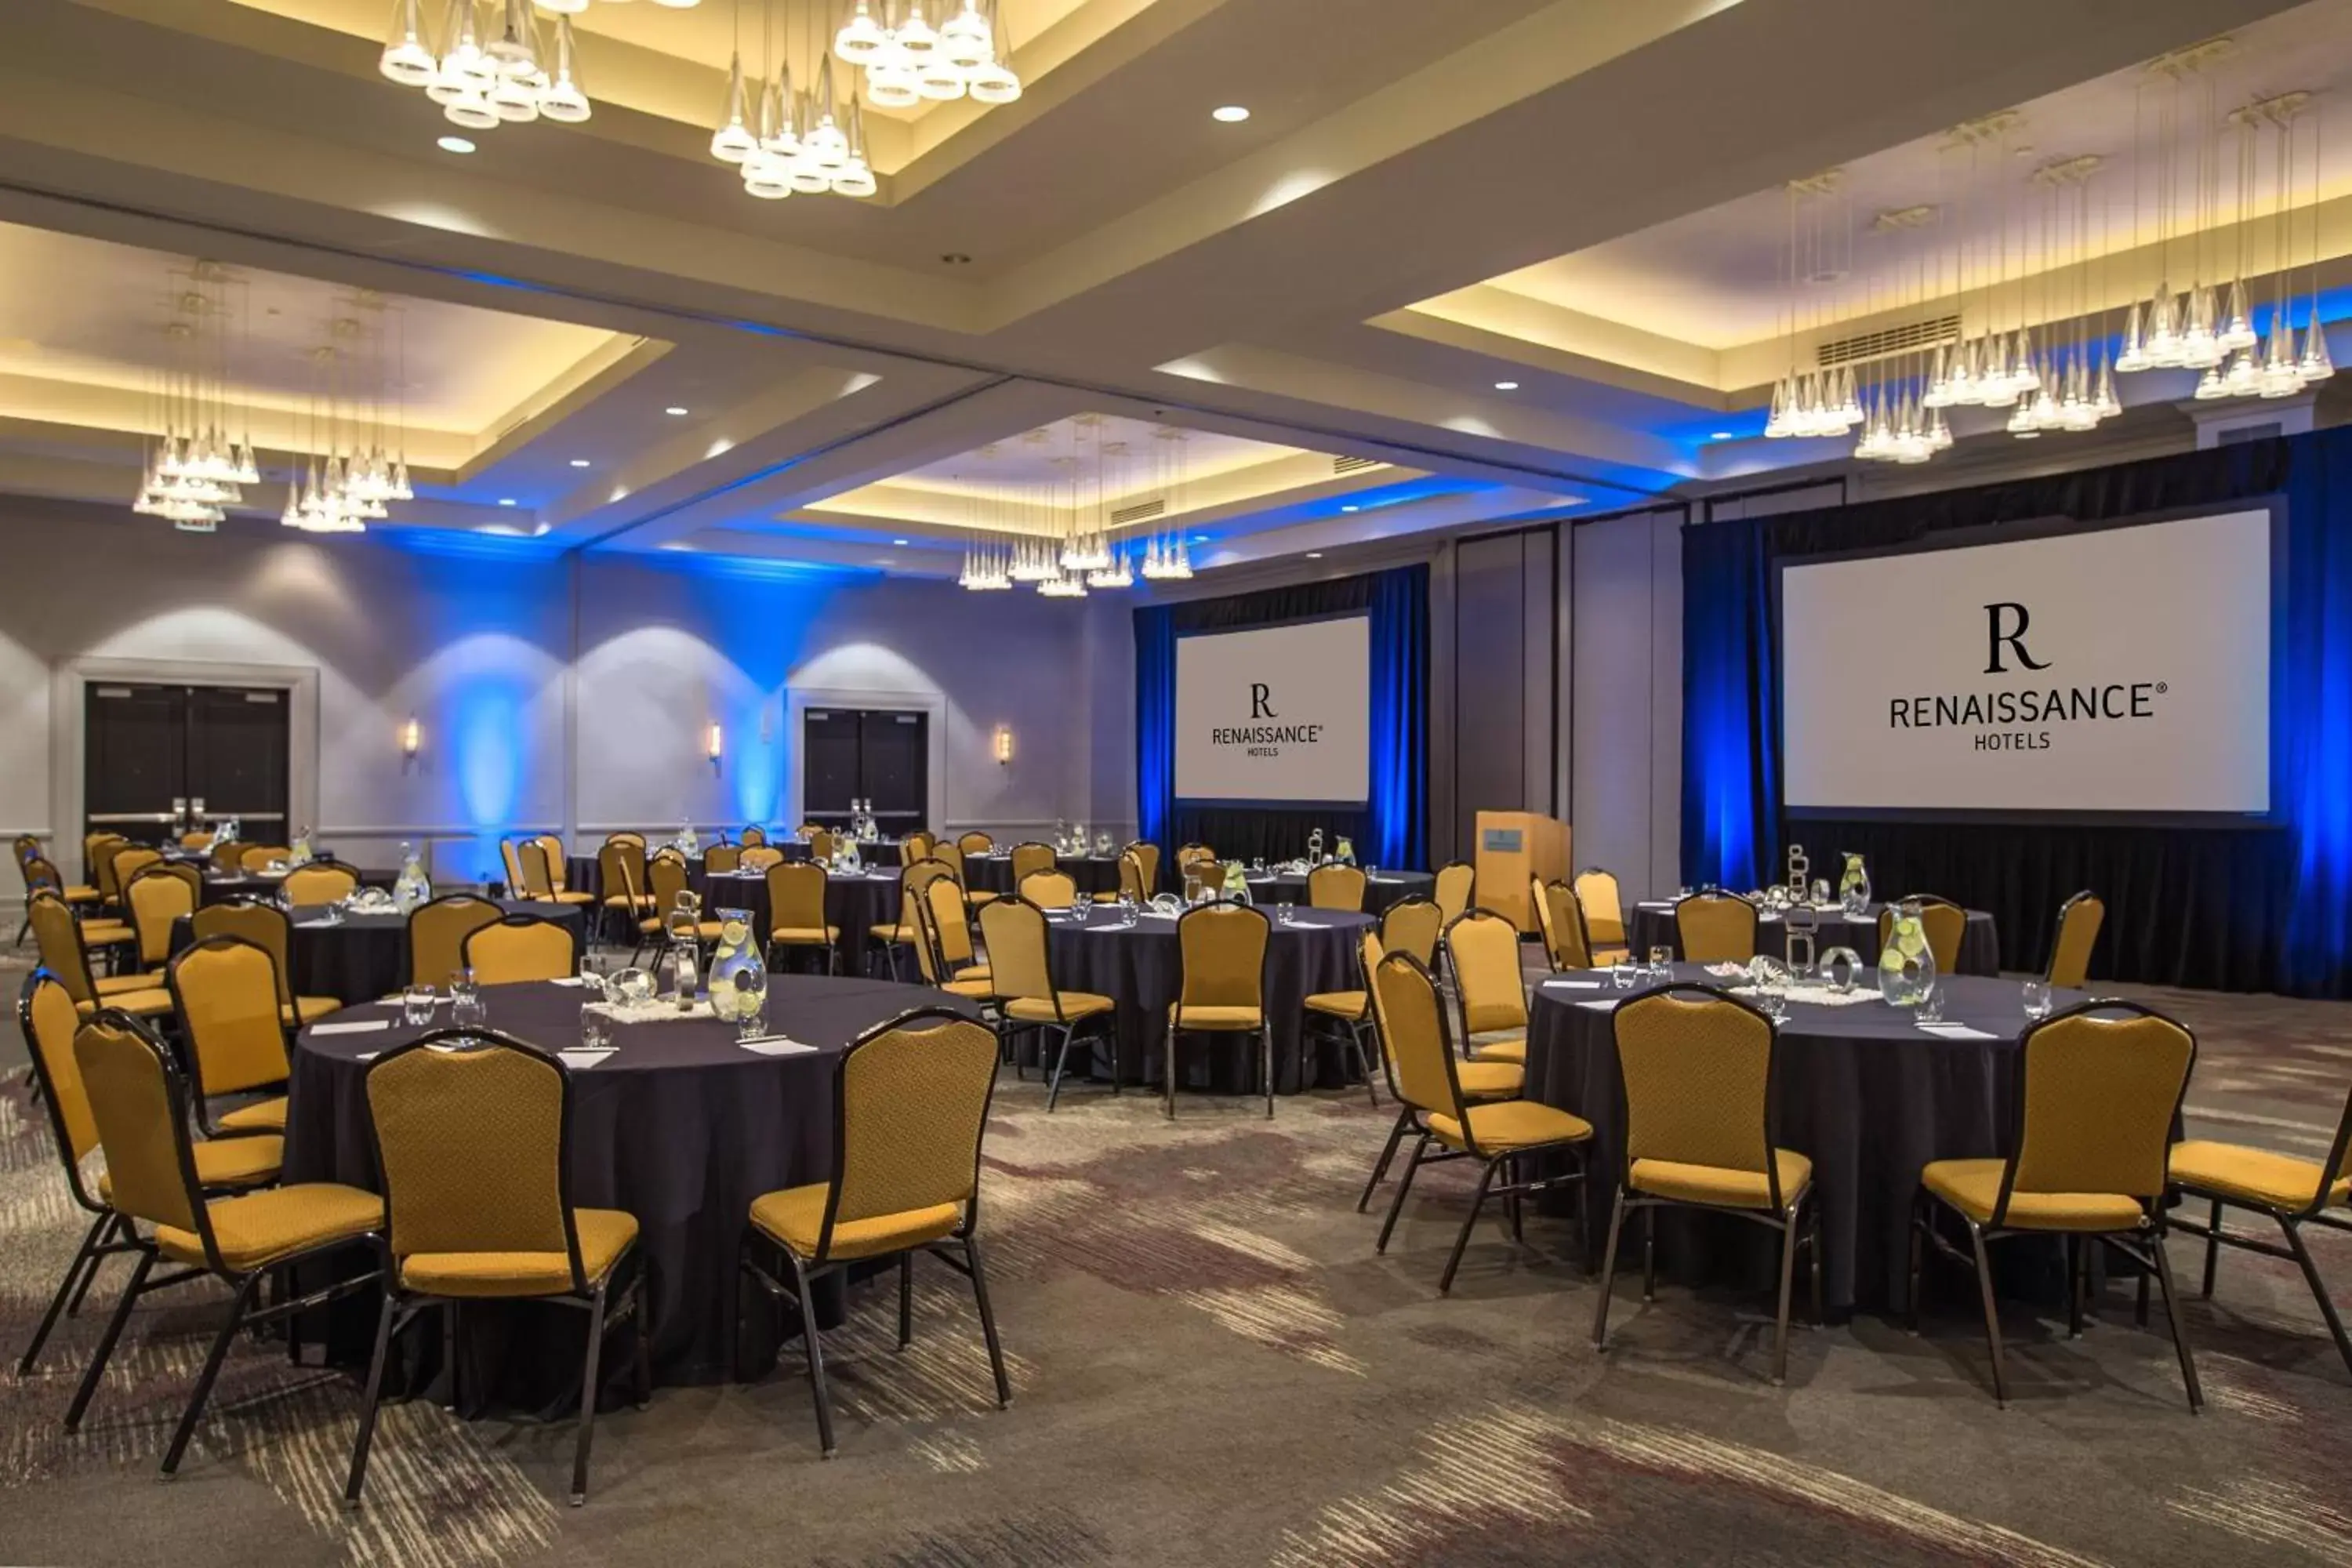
416, 1006
2037, 999
591, 977
1623, 975
595, 1026
1774, 997
1285, 913
1083, 905
1931, 1004
1662, 964
468, 1009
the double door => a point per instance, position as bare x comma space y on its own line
158, 760
877, 754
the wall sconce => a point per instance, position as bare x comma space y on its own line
411, 737
1003, 743
715, 746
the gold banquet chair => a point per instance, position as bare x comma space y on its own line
46, 1016
1049, 890
139, 1103
1148, 853
1498, 1134
124, 861
1477, 1081
254, 858
1021, 978
475, 1143
1604, 914
1455, 883
267, 927
157, 896
319, 882
225, 990
753, 836
1560, 916
1132, 882
621, 871
544, 870
57, 936
1702, 1131
2289, 1191
511, 853
2079, 919
2088, 1159
910, 1107
519, 948
975, 843
721, 857
760, 857
666, 874
1030, 856
1224, 951
1414, 925
796, 914
1336, 887
437, 933
950, 856
1716, 928
934, 909
1944, 922
906, 931
1482, 951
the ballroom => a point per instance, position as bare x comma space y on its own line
1167, 783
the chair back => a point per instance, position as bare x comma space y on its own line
538, 880
1224, 949
975, 843
950, 856
1604, 909
226, 991
754, 837
1336, 887
2100, 1096
264, 925
1697, 1070
57, 935
1188, 853
1944, 922
621, 866
138, 1104
1049, 888
40, 873
256, 857
667, 877
1482, 949
1133, 883
921, 875
915, 846
910, 1108
157, 898
796, 895
1412, 925
952, 920
1455, 883
98, 863
510, 851
1411, 1017
437, 934
1202, 876
559, 864
2079, 919
28, 845
1020, 962
820, 843
1561, 916
628, 837
195, 840
1031, 857
1148, 854
1716, 928
473, 1146
44, 1012
125, 861
519, 948
227, 855
760, 857
723, 858
320, 882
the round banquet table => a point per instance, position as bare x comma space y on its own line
362, 957
1863, 1091
218, 889
680, 1126
1652, 924
1140, 967
1380, 892
1093, 873
855, 903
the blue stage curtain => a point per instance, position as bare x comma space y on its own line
1392, 829
2260, 906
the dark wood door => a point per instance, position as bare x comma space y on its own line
152, 752
881, 756
828, 764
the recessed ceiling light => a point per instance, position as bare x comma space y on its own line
1351, 509
454, 144
506, 501
579, 462
899, 542
1507, 386
675, 411
1231, 114
1314, 555
1720, 436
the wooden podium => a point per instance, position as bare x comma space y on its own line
1514, 846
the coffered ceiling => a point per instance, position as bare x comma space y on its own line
1578, 197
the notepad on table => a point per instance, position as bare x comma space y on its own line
565, 979
1571, 985
776, 1045
580, 1057
1956, 1032
353, 1027
1599, 1005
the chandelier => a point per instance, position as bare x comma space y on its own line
1067, 535
196, 468
907, 60
1820, 252
356, 425
494, 65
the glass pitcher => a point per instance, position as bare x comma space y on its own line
739, 979
1854, 887
1907, 966
411, 889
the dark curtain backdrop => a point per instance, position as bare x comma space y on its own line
1392, 829
2263, 907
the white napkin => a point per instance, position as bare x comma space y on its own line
565, 979
1571, 985
1948, 1031
315, 925
580, 1058
776, 1045
368, 1056
355, 1026
1598, 1006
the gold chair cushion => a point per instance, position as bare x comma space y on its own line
79, 893
978, 990
308, 1010
1489, 1081
106, 934
812, 935
604, 1235
902, 934
1204, 1016
1973, 1186
261, 1116
972, 972
1721, 1186
2251, 1175
1348, 1005
1076, 1004
140, 1003
116, 984
795, 1215
979, 896
259, 1229
1511, 1124
568, 896
1509, 1049
225, 1162
621, 901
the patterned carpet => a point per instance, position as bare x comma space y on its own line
1212, 1366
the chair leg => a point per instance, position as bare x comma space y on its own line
1168, 1072
1405, 1185
906, 1300
2213, 1249
809, 1341
1650, 1253
1388, 1153
2172, 1316
1609, 1269
1061, 1062
1821, 1314
106, 1344
368, 1400
1265, 1066
1787, 1279
1462, 1239
69, 1289
1364, 1064
89, 1275
2318, 1290
588, 1384
645, 1326
1991, 1317
988, 1323
1919, 1221
210, 1373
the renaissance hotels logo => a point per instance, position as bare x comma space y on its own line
2012, 718
1263, 739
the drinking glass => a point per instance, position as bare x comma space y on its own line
1662, 964
1283, 914
1931, 1004
595, 1026
1623, 975
416, 1006
467, 1010
1774, 997
2037, 999
1083, 905
591, 977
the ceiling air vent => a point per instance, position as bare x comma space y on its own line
1926, 334
1353, 464
1141, 512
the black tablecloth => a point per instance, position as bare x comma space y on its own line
220, 890
1652, 925
1092, 873
1863, 1092
856, 904
1380, 892
1142, 968
365, 955
681, 1126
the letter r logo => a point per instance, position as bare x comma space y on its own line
2012, 639
1262, 700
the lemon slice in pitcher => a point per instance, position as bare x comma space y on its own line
734, 933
